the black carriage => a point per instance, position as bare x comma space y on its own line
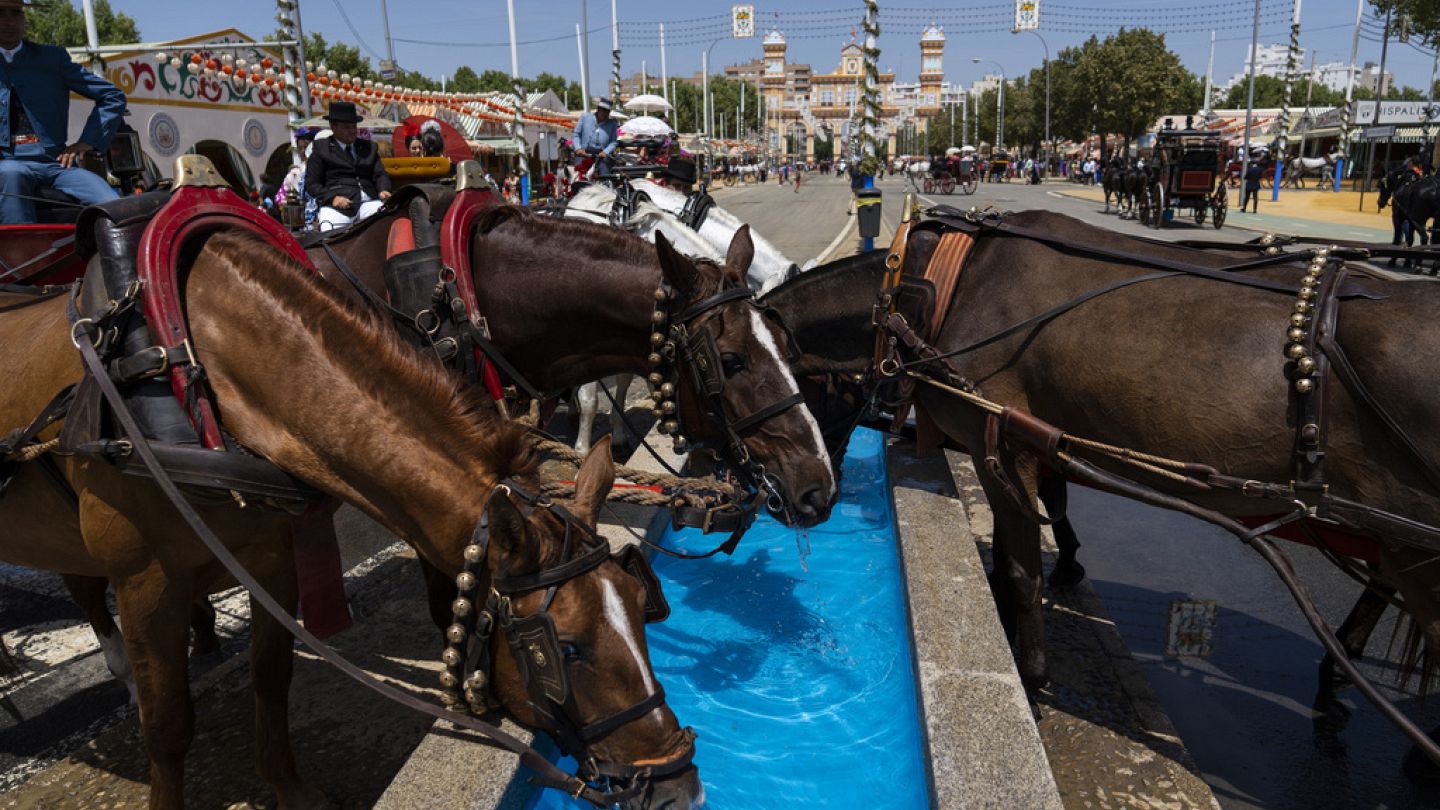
952, 172
1191, 177
999, 167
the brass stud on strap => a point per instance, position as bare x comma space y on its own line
1304, 385
474, 553
465, 582
455, 633
451, 657
1305, 364
1295, 351
461, 607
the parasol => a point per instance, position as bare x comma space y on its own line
645, 126
648, 102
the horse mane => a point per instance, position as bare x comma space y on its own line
576, 237
821, 272
392, 367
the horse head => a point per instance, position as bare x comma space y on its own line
738, 399
567, 653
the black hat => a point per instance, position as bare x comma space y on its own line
680, 169
342, 112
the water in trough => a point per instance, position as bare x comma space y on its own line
796, 670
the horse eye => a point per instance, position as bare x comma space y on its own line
732, 363
572, 651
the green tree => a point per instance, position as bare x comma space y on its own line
338, 57
1270, 92
465, 80
62, 24
1421, 17
1134, 77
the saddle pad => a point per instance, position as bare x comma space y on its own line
944, 270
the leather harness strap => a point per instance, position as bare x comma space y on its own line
943, 270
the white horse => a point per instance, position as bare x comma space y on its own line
1301, 166
769, 268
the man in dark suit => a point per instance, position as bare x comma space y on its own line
344, 174
35, 86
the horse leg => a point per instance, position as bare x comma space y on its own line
586, 397
154, 610
1018, 565
89, 593
1353, 635
202, 627
272, 663
1067, 571
619, 432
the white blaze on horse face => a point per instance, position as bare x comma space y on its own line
617, 618
762, 334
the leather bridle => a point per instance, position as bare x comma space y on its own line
683, 338
537, 651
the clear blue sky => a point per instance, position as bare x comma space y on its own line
436, 36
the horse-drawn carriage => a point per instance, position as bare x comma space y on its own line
1190, 176
999, 167
951, 172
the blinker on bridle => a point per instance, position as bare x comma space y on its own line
676, 341
535, 644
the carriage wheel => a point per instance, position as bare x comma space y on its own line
1200, 212
1158, 220
1219, 207
947, 185
929, 186
969, 185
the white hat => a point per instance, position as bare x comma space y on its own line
602, 104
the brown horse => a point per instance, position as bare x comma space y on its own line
1184, 367
332, 396
568, 302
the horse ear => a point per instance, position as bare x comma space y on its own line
677, 268
510, 546
593, 483
741, 252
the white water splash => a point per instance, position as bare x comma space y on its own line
802, 546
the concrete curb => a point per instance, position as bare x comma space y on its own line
983, 746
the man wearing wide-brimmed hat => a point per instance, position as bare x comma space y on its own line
35, 152
344, 173
596, 136
678, 174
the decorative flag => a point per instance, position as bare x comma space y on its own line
742, 21
1027, 15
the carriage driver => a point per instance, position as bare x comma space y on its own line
35, 86
596, 135
679, 174
344, 174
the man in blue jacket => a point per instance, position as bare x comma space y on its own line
596, 136
35, 86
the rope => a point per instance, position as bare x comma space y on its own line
672, 487
30, 452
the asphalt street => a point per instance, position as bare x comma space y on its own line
1243, 711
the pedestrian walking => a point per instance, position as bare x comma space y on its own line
1253, 172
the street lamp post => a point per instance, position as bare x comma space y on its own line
999, 103
1048, 142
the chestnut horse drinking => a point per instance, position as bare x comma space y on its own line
328, 393
1183, 367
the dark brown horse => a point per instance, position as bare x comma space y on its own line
1184, 367
331, 395
568, 302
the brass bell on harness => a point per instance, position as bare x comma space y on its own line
657, 316
476, 681
667, 390
450, 699
656, 338
1304, 385
655, 378
1295, 351
455, 633
474, 553
668, 407
465, 582
1296, 334
660, 294
682, 445
669, 426
1298, 320
654, 359
1305, 364
451, 657
1302, 307
1306, 293
448, 680
461, 607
